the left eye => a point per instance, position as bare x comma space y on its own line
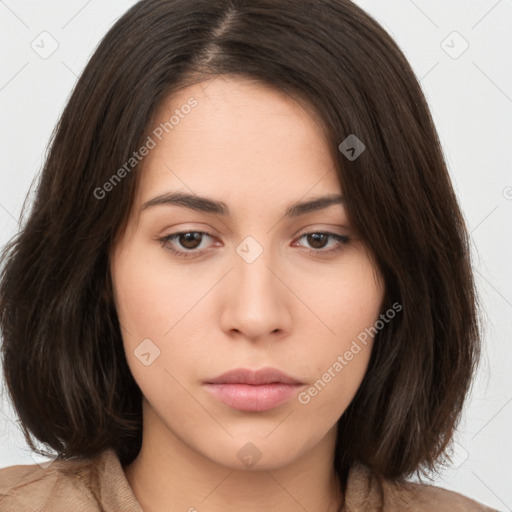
190, 240
320, 238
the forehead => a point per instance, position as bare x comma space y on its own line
238, 136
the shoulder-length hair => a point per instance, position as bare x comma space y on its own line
62, 350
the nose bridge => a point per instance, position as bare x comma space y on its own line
253, 274
259, 304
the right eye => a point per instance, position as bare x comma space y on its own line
187, 240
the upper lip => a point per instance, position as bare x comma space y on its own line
255, 377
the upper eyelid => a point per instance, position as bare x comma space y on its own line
299, 234
328, 228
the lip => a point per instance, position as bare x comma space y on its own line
253, 390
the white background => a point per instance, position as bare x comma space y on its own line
471, 100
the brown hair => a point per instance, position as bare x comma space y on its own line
62, 350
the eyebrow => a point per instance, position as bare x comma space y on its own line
207, 205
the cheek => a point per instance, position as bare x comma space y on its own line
157, 310
351, 305
337, 369
148, 296
136, 310
349, 300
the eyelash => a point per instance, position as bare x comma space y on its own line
341, 239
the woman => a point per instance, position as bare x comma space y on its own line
245, 280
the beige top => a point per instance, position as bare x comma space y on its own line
99, 484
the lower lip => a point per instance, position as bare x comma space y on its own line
247, 397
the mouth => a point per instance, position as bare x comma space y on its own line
253, 391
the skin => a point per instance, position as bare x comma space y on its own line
258, 151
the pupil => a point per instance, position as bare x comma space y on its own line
190, 238
317, 237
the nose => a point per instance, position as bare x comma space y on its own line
257, 303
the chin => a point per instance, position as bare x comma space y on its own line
258, 452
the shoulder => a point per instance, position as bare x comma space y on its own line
425, 497
365, 491
63, 483
82, 485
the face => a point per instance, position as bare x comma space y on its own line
246, 284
